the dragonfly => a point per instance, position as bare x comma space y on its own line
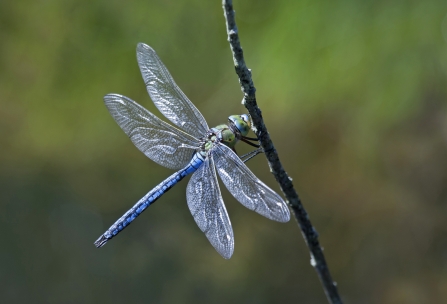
191, 148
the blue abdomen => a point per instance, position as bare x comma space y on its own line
148, 199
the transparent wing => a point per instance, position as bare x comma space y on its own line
166, 95
161, 142
206, 205
246, 187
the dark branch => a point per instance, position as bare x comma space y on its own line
310, 234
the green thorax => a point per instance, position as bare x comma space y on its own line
227, 136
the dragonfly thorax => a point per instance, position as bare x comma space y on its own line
220, 134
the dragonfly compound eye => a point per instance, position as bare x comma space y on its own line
246, 118
240, 123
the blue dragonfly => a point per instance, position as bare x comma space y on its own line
191, 148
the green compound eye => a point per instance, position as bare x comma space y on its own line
241, 122
246, 118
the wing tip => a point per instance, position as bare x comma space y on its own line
286, 216
114, 97
226, 257
111, 95
227, 253
144, 47
281, 215
227, 250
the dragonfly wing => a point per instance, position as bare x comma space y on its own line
246, 187
161, 142
166, 95
207, 207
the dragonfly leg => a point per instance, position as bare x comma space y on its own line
251, 154
249, 143
250, 138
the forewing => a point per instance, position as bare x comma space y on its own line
161, 142
246, 187
207, 207
166, 95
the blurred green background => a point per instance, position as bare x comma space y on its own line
353, 93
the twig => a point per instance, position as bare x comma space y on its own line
310, 234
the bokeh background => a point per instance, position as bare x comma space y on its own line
353, 93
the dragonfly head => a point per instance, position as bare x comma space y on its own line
241, 122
